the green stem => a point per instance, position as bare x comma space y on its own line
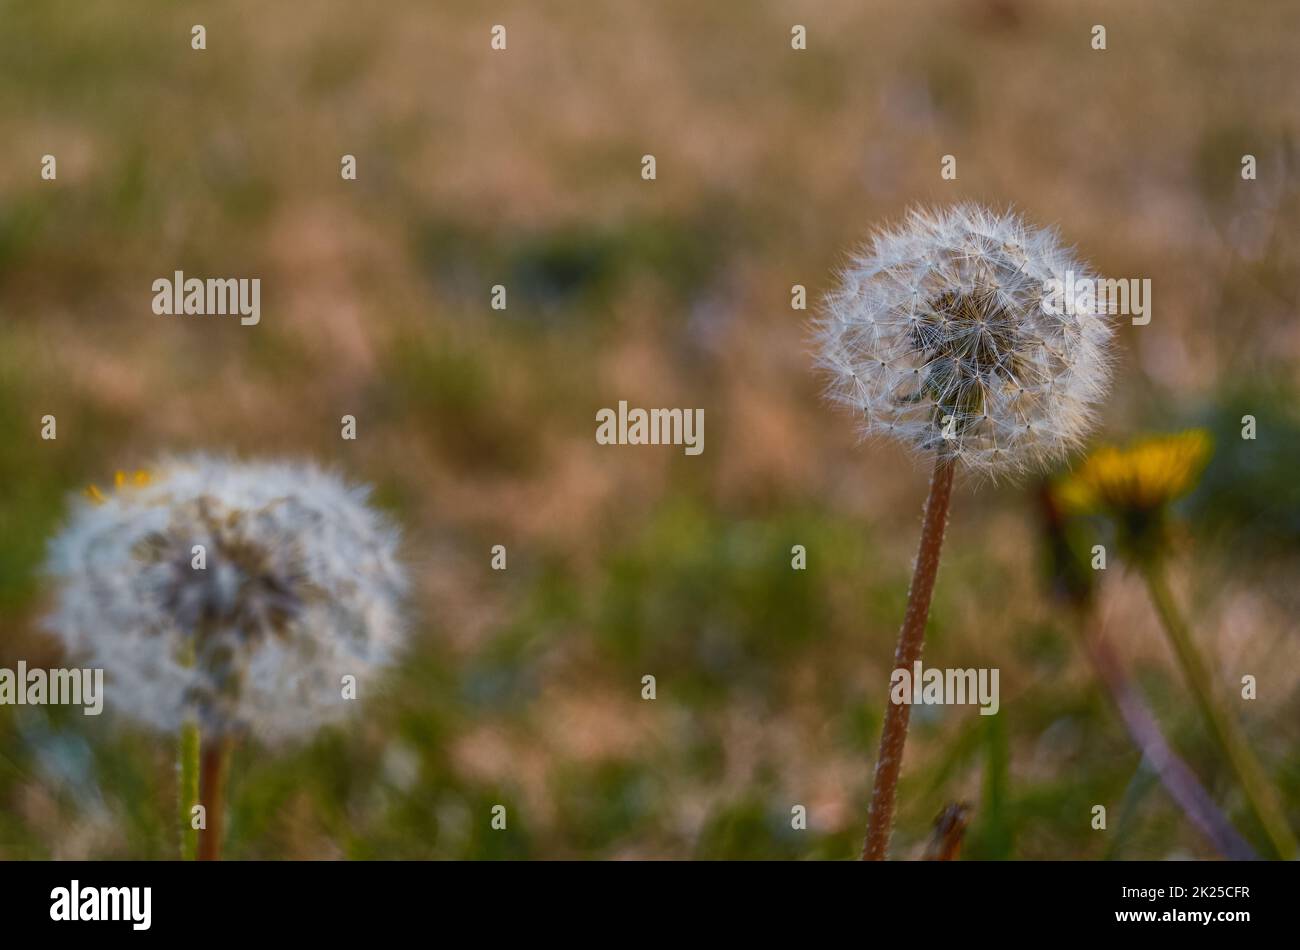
189, 788
1259, 792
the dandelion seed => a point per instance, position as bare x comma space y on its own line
227, 599
301, 586
956, 299
951, 347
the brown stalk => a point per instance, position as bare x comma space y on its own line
911, 639
212, 785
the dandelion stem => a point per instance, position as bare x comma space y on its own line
212, 782
911, 638
1226, 731
1177, 778
189, 788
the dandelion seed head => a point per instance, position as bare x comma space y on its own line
299, 586
940, 336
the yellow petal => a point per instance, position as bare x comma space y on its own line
1146, 474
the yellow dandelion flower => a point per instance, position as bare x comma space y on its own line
137, 479
1142, 477
1135, 486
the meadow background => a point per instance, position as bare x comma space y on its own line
476, 426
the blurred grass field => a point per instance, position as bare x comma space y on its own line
522, 168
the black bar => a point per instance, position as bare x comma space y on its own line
605, 900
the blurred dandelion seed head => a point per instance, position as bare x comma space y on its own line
299, 585
940, 335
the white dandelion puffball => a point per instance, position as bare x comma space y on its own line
296, 585
951, 335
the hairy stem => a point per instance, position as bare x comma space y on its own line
1259, 793
212, 785
911, 638
189, 788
